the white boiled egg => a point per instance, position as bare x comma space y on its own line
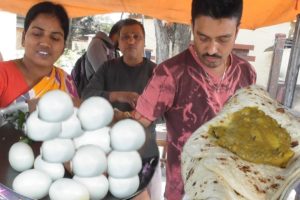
20, 156
97, 186
54, 170
39, 130
95, 113
99, 137
68, 189
124, 164
32, 183
71, 127
88, 161
123, 187
55, 106
58, 150
127, 135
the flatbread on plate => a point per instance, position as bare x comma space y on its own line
212, 172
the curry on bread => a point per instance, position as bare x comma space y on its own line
249, 151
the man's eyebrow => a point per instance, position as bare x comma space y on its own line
220, 36
201, 34
226, 35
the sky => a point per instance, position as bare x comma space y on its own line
114, 17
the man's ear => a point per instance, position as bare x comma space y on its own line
23, 38
192, 26
237, 31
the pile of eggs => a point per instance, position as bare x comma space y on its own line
101, 158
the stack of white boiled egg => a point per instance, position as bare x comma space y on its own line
83, 138
124, 162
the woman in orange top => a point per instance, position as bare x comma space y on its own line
46, 29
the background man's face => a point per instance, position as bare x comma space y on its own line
132, 42
214, 39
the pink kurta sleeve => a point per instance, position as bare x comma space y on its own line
158, 95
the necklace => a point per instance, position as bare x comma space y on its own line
217, 86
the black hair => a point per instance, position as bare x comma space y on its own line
48, 7
115, 28
217, 9
129, 22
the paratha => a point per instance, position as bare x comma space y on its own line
212, 172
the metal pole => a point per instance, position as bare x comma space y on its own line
276, 64
293, 68
143, 20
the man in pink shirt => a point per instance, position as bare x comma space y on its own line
192, 87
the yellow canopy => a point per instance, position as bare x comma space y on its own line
257, 13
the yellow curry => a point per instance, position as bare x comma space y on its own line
255, 137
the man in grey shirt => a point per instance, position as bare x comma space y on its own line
101, 49
122, 80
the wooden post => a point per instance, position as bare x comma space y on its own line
276, 64
293, 68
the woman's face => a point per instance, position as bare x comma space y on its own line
43, 41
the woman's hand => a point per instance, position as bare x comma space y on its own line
32, 103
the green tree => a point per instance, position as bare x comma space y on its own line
175, 37
80, 28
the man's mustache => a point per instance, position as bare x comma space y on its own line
212, 56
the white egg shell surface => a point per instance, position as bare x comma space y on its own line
58, 150
99, 137
68, 189
127, 135
20, 156
95, 113
32, 183
54, 170
124, 164
71, 127
39, 130
97, 186
123, 187
55, 106
88, 161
